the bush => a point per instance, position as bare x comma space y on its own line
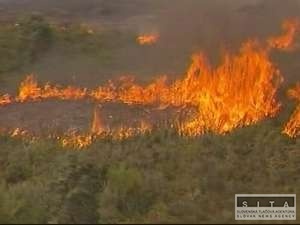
36, 35
24, 42
156, 178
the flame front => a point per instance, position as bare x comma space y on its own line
240, 91
29, 90
81, 141
292, 128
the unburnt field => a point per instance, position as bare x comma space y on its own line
156, 177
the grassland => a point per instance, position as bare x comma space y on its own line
154, 178
159, 177
31, 44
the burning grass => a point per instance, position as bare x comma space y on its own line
156, 172
241, 91
287, 39
292, 128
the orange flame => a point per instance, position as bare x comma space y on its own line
147, 39
286, 40
239, 92
97, 125
29, 90
251, 60
292, 128
81, 141
5, 100
78, 141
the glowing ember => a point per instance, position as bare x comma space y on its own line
292, 128
19, 132
148, 39
5, 100
127, 132
75, 140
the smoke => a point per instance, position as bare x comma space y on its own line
190, 26
184, 27
210, 25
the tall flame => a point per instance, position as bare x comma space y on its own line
292, 128
240, 91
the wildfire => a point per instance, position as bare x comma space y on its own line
240, 91
99, 129
251, 66
19, 133
286, 40
74, 140
98, 124
127, 132
81, 141
29, 90
5, 99
147, 39
292, 128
